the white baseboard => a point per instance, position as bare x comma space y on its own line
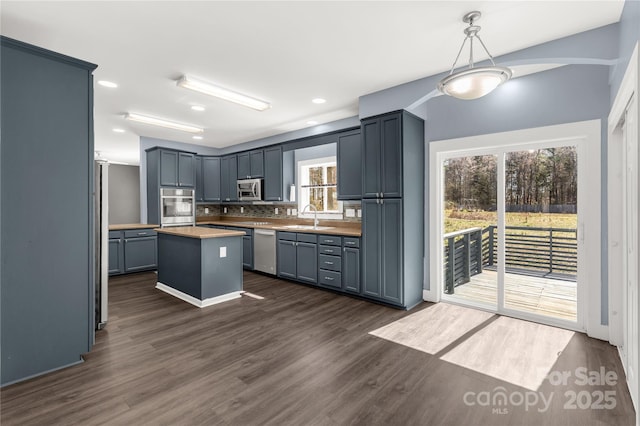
197, 302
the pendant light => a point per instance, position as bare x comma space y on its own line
473, 82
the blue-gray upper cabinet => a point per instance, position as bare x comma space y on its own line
210, 179
273, 174
177, 168
382, 158
199, 186
350, 165
251, 164
229, 178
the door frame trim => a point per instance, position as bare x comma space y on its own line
587, 136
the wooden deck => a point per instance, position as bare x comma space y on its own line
542, 296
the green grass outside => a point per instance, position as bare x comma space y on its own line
456, 220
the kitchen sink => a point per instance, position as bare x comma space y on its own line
318, 228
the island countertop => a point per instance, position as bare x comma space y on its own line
199, 232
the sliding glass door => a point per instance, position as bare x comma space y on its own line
510, 230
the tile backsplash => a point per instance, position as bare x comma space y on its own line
266, 210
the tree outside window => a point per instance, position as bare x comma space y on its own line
318, 185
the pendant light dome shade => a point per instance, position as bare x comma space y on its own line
473, 82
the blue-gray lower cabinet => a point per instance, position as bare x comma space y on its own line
298, 257
247, 246
287, 259
116, 256
382, 235
140, 254
351, 269
132, 250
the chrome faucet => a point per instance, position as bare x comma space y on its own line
315, 214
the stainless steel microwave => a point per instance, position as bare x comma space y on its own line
249, 189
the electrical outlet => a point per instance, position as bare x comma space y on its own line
275, 210
294, 212
288, 212
350, 213
223, 252
206, 210
225, 210
359, 213
241, 209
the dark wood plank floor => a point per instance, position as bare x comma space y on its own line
300, 356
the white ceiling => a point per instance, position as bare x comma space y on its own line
284, 52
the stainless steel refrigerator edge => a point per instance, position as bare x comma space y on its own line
101, 198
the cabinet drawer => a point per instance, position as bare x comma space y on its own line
115, 234
351, 242
332, 263
307, 238
289, 236
333, 250
330, 278
330, 240
133, 233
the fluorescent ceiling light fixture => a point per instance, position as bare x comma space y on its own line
312, 122
318, 100
197, 85
118, 130
198, 138
109, 84
197, 108
162, 123
473, 82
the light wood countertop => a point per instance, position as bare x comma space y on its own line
342, 229
121, 227
199, 232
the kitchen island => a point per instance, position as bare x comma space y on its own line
201, 266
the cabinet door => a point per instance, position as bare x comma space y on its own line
224, 179
273, 174
233, 178
247, 252
211, 178
371, 169
199, 184
115, 257
391, 250
371, 241
351, 269
391, 149
307, 262
140, 253
350, 166
257, 163
186, 169
168, 168
287, 259
244, 166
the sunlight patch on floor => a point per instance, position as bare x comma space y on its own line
509, 349
434, 328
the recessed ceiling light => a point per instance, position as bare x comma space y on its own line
222, 93
118, 130
198, 138
163, 123
318, 100
197, 108
109, 84
312, 122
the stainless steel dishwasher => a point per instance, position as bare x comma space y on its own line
264, 250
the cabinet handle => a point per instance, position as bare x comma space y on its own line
328, 278
328, 263
328, 241
382, 195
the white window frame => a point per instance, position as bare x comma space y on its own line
304, 200
586, 137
